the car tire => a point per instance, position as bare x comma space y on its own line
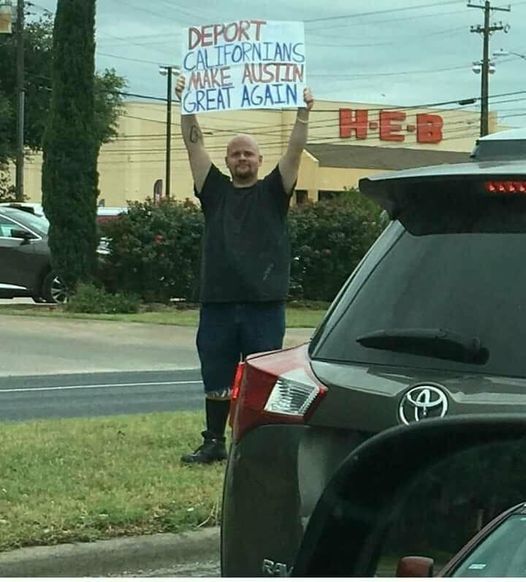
53, 289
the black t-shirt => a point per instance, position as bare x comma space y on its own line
246, 250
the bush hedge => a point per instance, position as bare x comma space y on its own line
89, 298
328, 239
155, 250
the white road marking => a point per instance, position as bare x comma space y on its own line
87, 386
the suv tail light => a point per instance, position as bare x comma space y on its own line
293, 393
261, 397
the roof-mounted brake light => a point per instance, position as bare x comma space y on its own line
506, 187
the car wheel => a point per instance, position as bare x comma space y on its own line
53, 289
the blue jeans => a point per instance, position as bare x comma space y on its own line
228, 332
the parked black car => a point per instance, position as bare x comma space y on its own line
430, 324
25, 259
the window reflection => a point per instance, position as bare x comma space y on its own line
441, 510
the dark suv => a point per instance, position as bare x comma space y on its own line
431, 323
25, 259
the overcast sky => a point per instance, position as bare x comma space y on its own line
395, 52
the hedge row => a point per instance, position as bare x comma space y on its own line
155, 250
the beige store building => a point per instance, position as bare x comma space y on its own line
346, 142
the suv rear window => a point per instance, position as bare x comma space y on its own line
470, 282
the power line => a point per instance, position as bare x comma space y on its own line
141, 9
269, 137
434, 104
330, 29
446, 32
127, 58
131, 42
386, 11
390, 74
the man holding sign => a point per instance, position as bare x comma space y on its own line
245, 261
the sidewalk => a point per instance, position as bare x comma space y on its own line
132, 556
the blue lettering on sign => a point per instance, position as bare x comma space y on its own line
187, 66
254, 51
201, 61
206, 100
269, 95
237, 54
299, 52
244, 52
283, 52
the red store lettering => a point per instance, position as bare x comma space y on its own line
391, 126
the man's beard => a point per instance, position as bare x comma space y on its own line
244, 172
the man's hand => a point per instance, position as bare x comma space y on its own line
179, 86
308, 98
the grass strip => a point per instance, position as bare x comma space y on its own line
296, 317
75, 480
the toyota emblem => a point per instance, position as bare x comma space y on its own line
421, 402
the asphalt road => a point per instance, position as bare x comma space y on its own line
57, 368
99, 394
201, 569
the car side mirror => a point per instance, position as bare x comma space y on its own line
415, 567
25, 235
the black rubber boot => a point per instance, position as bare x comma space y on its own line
212, 450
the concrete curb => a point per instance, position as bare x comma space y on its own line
119, 556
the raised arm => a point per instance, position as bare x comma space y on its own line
290, 162
200, 161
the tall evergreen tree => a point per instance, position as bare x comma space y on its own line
69, 173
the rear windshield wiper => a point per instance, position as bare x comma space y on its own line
433, 342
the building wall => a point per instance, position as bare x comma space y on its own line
129, 166
336, 179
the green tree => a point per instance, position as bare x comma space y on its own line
7, 190
7, 193
38, 45
71, 144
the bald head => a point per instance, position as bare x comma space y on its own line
242, 139
243, 159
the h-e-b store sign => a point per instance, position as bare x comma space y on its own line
390, 125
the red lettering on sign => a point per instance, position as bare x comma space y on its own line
233, 32
210, 79
429, 128
194, 37
353, 121
389, 131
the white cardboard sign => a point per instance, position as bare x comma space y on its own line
246, 64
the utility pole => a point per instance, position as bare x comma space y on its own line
168, 133
168, 71
20, 93
486, 31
